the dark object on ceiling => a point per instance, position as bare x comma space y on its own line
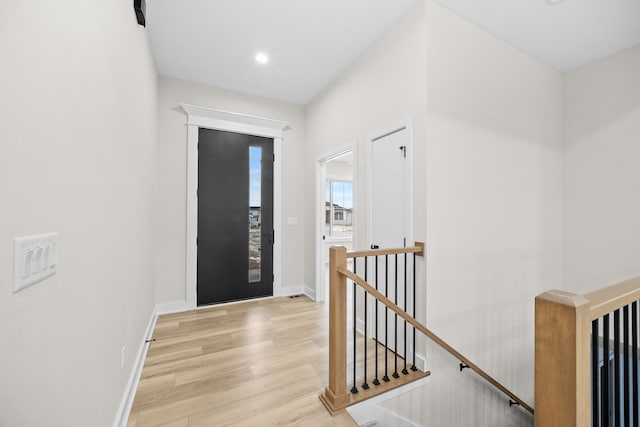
140, 6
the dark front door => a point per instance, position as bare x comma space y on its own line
235, 216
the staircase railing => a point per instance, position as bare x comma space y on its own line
336, 396
586, 367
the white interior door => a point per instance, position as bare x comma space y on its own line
390, 228
389, 190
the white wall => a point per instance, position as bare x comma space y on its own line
172, 186
384, 86
77, 156
494, 194
487, 175
601, 173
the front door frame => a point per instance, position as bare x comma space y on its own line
202, 117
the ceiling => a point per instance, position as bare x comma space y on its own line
563, 34
310, 43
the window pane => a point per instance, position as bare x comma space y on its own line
255, 190
339, 208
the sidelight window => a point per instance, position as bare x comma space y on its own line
255, 229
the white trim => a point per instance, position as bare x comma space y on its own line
290, 290
310, 292
233, 122
173, 307
421, 362
319, 224
192, 217
202, 117
341, 178
181, 306
122, 416
321, 176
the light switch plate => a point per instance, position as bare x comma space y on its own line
34, 259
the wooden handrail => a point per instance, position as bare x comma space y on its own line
418, 249
419, 326
562, 350
613, 297
336, 394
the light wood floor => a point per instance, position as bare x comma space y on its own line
257, 363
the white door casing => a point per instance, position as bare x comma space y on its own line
202, 117
321, 289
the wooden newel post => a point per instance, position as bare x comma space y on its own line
562, 360
336, 396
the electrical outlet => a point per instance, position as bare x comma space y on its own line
123, 354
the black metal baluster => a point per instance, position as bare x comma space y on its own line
395, 328
376, 381
354, 389
386, 319
605, 372
414, 367
616, 368
404, 334
626, 375
594, 373
634, 339
365, 385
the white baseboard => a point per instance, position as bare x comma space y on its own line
421, 362
310, 292
172, 307
289, 290
134, 378
180, 306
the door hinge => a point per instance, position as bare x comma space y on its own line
273, 237
273, 278
196, 241
274, 157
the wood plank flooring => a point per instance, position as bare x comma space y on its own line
257, 363
260, 362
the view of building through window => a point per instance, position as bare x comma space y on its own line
255, 189
338, 208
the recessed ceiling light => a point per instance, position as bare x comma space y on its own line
262, 58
